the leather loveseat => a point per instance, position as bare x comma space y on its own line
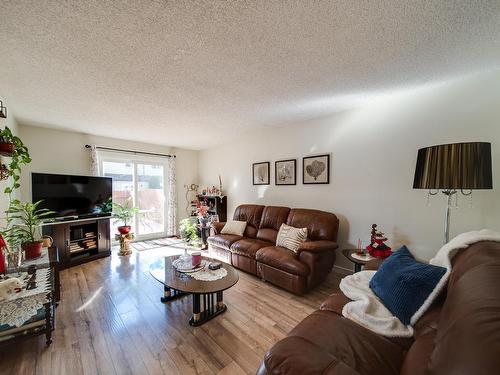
256, 251
458, 335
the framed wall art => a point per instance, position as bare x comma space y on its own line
316, 169
285, 172
260, 173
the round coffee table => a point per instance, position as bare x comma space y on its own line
207, 295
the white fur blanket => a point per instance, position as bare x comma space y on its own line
367, 310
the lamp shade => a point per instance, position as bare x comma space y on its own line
454, 166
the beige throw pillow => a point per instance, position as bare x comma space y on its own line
291, 237
234, 227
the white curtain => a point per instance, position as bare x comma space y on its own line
94, 161
172, 199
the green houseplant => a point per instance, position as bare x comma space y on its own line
12, 147
189, 232
30, 216
124, 213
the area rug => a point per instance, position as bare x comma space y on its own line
161, 242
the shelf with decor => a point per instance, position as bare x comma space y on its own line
80, 241
217, 205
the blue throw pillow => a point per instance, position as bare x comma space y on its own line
403, 284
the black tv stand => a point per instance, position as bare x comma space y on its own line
80, 240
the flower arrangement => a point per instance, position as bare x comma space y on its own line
201, 210
202, 213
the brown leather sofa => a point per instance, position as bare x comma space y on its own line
458, 335
255, 252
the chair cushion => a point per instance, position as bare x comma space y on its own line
248, 247
282, 259
234, 227
291, 237
403, 284
223, 240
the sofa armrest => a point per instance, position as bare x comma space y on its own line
335, 303
318, 246
373, 265
217, 226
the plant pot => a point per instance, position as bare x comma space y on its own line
32, 249
124, 229
7, 148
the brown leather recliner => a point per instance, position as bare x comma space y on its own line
256, 251
458, 335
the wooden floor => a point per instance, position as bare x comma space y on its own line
111, 321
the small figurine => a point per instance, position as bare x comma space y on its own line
377, 247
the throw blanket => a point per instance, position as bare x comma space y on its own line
367, 310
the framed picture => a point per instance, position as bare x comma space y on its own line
260, 173
316, 169
285, 172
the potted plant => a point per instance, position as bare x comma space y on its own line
30, 217
8, 142
13, 147
124, 213
189, 232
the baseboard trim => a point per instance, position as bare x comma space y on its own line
343, 271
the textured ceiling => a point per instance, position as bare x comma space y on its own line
197, 73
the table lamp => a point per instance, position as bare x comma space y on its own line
453, 168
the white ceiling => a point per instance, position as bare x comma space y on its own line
197, 73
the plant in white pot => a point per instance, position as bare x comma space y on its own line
29, 217
124, 213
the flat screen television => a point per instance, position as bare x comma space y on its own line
72, 196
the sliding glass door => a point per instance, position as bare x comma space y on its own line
140, 182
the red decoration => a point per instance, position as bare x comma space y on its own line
2, 257
377, 247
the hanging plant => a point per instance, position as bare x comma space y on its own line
19, 156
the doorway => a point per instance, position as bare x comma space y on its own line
140, 182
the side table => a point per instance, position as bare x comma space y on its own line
29, 312
358, 263
204, 234
49, 259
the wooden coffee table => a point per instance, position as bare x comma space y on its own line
207, 295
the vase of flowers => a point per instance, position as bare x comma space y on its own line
202, 213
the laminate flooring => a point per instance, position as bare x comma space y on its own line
110, 321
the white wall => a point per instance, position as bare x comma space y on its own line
373, 153
4, 200
56, 151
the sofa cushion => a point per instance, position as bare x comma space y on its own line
223, 240
291, 237
320, 225
270, 223
404, 284
336, 302
234, 227
296, 355
282, 259
248, 247
251, 213
355, 346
